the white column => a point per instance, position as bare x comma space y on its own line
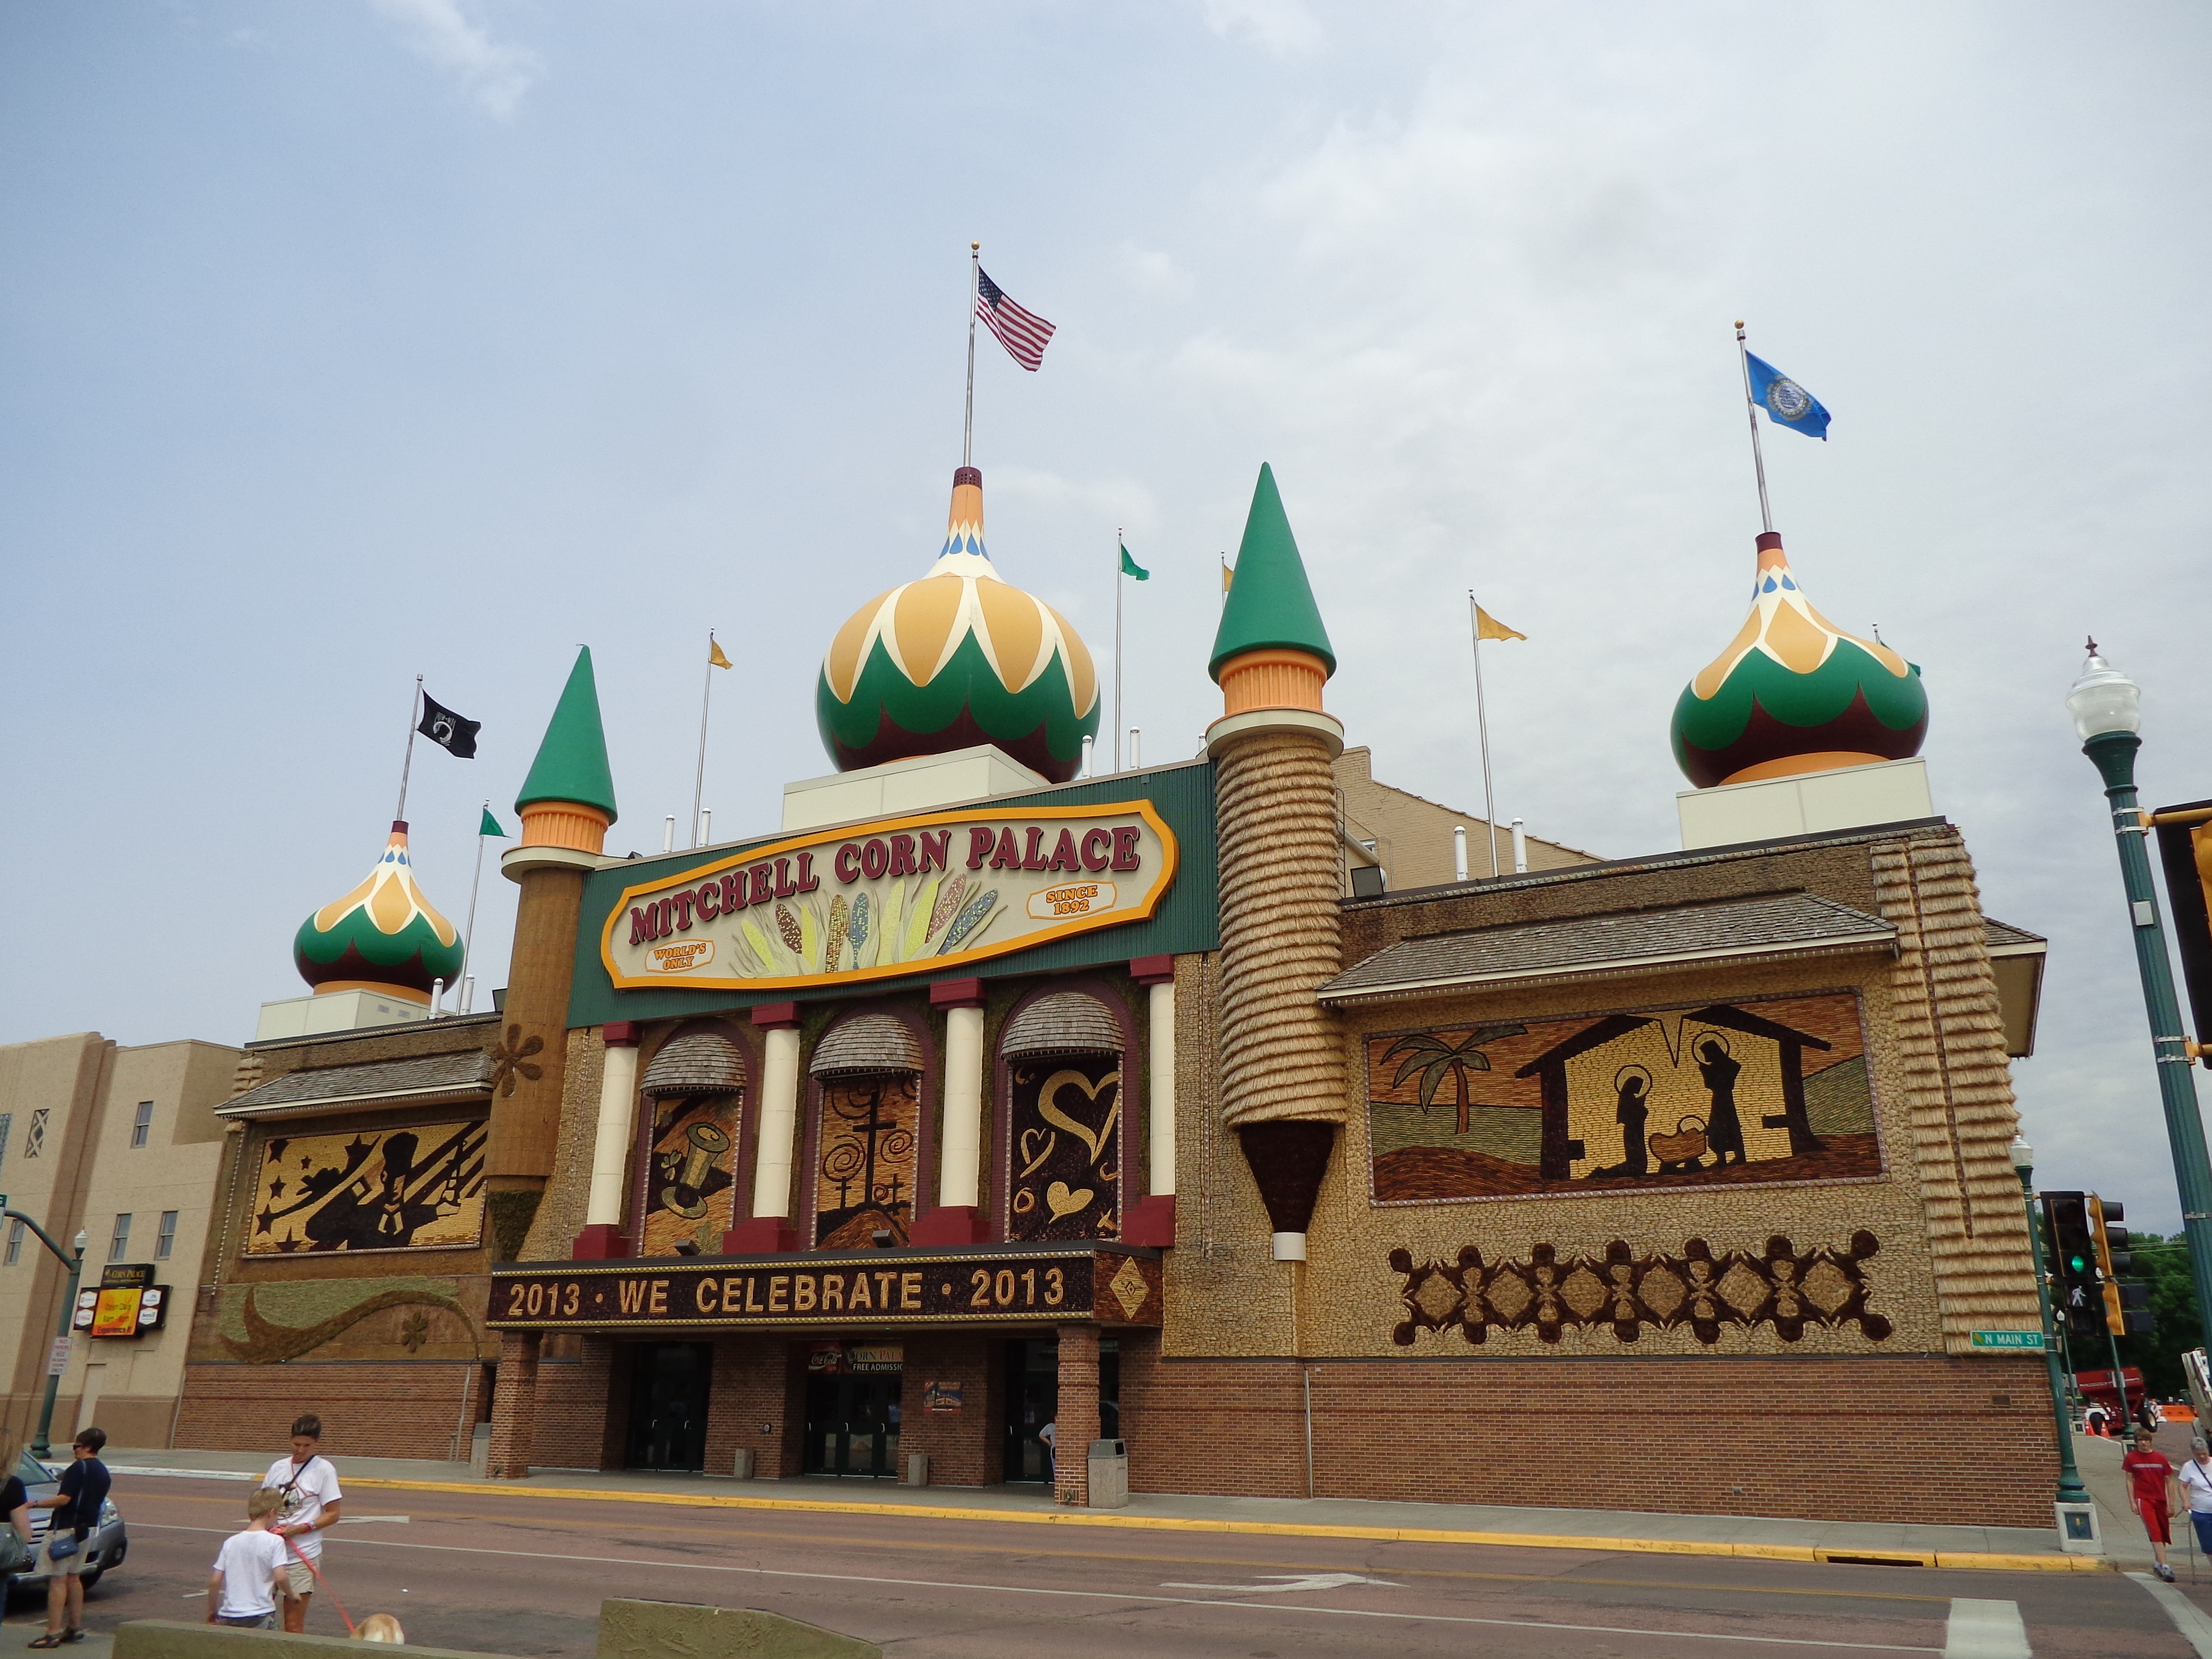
1520, 846
611, 1145
960, 1173
778, 1120
1162, 1089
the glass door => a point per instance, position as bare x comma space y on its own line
668, 1405
853, 1424
1032, 1395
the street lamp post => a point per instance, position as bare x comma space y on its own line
43, 1446
2107, 710
2070, 1489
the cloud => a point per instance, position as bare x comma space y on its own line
1149, 270
1284, 27
439, 32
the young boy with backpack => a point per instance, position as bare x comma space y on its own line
249, 1572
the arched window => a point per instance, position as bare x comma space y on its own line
867, 1147
694, 1092
1063, 1055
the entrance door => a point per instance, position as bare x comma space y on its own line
1032, 1402
853, 1424
668, 1405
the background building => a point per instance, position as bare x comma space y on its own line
123, 1143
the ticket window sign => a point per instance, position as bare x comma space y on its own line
127, 1303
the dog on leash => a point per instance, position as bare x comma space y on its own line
380, 1627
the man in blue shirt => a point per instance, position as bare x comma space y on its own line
76, 1512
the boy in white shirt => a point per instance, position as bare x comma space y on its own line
249, 1572
308, 1486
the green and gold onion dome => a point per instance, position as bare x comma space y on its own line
959, 657
1793, 693
383, 936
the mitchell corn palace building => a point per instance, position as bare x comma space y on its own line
980, 1094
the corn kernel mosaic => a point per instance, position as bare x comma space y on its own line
1716, 1094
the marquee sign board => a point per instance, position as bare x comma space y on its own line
127, 1303
1061, 1286
891, 899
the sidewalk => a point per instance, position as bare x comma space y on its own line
2003, 1548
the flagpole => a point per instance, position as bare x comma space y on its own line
699, 778
1751, 412
414, 699
469, 939
1117, 648
1482, 725
968, 424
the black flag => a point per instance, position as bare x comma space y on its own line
448, 730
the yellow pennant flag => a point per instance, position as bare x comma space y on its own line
1228, 575
716, 659
1487, 627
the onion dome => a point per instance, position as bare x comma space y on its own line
1793, 693
383, 936
960, 657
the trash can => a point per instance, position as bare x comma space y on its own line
917, 1469
741, 1466
1109, 1474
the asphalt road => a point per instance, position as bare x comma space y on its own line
525, 1576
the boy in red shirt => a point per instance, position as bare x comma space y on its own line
2150, 1478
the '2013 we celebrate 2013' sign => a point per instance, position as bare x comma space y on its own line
886, 900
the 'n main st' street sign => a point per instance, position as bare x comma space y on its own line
1057, 1284
2007, 1341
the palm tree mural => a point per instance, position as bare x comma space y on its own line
1436, 1060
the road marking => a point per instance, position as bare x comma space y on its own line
2188, 1618
1110, 1595
1985, 1630
560, 1525
1291, 1582
366, 1520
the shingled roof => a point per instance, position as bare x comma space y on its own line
1777, 924
425, 1080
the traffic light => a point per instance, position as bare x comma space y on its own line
2080, 1293
2126, 1307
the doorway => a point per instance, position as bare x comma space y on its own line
1032, 1395
668, 1405
853, 1424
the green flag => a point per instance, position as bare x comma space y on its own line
490, 826
1131, 568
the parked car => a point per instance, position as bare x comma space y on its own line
103, 1550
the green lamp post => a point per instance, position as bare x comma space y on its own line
2070, 1489
2107, 710
43, 1445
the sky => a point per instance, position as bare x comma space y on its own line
343, 343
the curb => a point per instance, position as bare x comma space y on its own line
1986, 1561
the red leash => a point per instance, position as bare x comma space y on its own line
319, 1579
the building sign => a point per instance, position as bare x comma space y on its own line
875, 1287
372, 1189
127, 1303
941, 1397
898, 897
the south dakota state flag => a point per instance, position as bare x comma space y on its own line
1786, 403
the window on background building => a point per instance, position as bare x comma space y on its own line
143, 1125
35, 1141
165, 1240
7, 1122
14, 1243
120, 1241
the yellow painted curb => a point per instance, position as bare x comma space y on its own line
1982, 1561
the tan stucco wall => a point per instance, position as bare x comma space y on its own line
1412, 836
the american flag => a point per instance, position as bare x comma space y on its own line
1023, 333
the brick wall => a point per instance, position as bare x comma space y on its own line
574, 1427
758, 1399
966, 1448
1075, 1424
422, 1409
1917, 1439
